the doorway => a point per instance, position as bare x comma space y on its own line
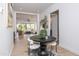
54, 24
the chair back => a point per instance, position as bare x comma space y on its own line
30, 41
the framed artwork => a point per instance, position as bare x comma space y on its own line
10, 22
10, 18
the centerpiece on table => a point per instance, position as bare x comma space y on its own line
43, 32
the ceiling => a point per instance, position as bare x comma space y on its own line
31, 7
26, 17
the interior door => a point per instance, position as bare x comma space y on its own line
54, 25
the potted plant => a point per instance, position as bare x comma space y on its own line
43, 31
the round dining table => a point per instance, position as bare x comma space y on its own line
43, 44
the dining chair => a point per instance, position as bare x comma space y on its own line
52, 46
33, 47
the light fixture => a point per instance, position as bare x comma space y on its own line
20, 9
37, 11
28, 20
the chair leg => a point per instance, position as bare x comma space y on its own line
28, 51
51, 50
56, 48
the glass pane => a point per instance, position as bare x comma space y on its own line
32, 26
23, 27
28, 27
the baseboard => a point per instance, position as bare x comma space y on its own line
76, 53
11, 50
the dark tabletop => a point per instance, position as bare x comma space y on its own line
37, 39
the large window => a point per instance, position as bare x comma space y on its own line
26, 27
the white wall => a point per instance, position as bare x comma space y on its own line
6, 35
68, 25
